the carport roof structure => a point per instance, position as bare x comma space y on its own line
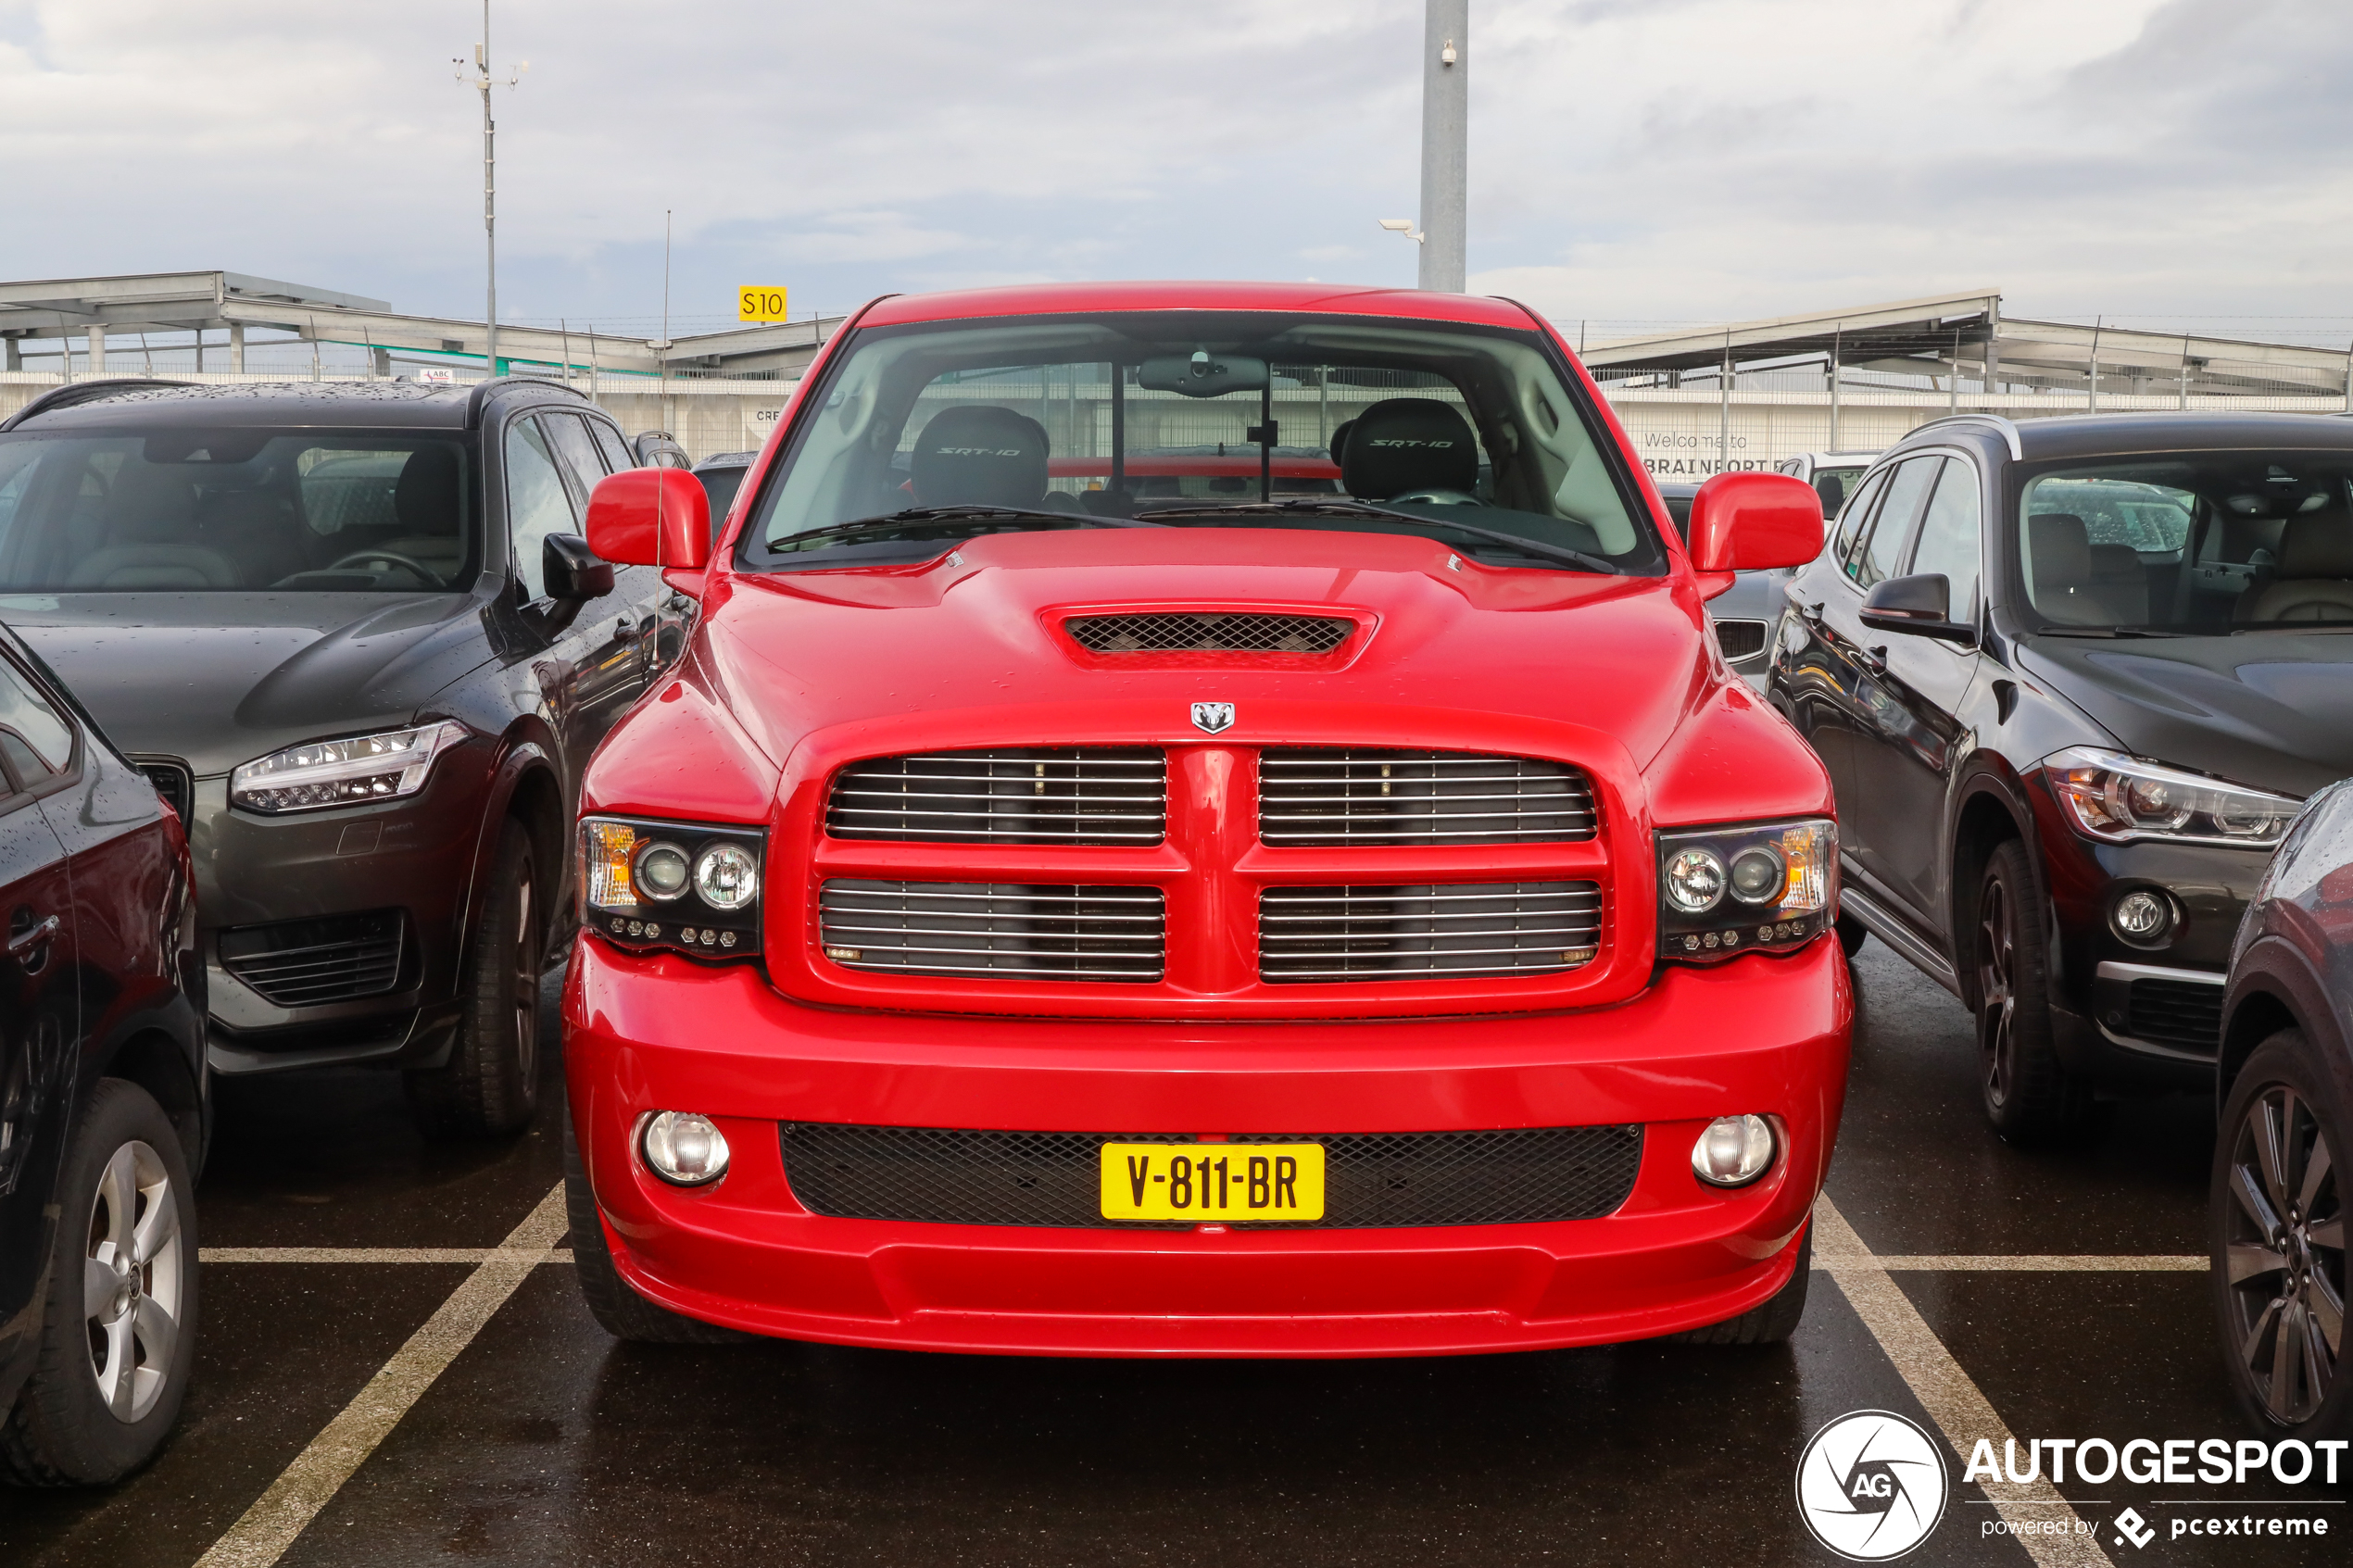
60, 308
1933, 335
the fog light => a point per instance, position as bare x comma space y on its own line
2144, 916
1734, 1151
683, 1149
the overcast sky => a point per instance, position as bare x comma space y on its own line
1632, 160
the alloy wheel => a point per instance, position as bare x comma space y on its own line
1996, 995
132, 1280
526, 984
2286, 1255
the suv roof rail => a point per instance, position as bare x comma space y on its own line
485, 390
82, 392
2008, 427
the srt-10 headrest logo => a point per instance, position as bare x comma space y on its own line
1407, 441
977, 451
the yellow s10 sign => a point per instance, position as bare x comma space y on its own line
761, 305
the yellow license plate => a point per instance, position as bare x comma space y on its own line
1213, 1182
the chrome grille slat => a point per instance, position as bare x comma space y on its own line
1311, 934
1215, 632
1386, 796
1067, 932
1037, 795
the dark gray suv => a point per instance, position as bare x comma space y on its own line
354, 636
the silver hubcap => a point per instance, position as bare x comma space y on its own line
132, 1279
2286, 1255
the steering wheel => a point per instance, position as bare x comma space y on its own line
1438, 498
362, 557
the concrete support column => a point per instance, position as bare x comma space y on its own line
236, 348
1445, 143
16, 355
383, 363
97, 335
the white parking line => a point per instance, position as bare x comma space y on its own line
308, 1485
1951, 1399
2021, 1262
367, 1254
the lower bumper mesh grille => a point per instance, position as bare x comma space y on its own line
311, 962
2180, 1013
944, 1176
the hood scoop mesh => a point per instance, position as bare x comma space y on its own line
1232, 632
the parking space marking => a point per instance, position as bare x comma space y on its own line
304, 1488
1951, 1398
2023, 1262
367, 1254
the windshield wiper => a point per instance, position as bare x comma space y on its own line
948, 515
1319, 507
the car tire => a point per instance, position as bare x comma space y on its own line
2030, 1098
2276, 1202
490, 1084
617, 1307
1852, 933
1772, 1320
110, 1370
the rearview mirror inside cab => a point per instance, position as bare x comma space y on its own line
1751, 521
1921, 606
1202, 374
650, 517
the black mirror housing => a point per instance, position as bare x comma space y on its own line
572, 571
1920, 606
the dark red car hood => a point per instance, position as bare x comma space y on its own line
981, 629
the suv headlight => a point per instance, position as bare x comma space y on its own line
680, 887
1722, 891
353, 771
2118, 798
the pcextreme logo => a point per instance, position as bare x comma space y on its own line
1871, 1485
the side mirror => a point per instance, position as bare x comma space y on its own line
1921, 606
1750, 521
650, 517
572, 571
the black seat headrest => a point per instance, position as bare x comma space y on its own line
1403, 443
2060, 549
2316, 544
980, 456
1338, 443
425, 497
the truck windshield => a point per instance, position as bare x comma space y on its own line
180, 509
2203, 544
1467, 435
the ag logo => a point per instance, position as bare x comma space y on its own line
1212, 717
1871, 1485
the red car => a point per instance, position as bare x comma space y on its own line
1049, 909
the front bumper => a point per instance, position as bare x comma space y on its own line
1761, 1034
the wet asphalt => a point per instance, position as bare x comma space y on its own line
547, 1443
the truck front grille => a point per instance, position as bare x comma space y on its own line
1037, 795
948, 1176
1231, 633
991, 929
1340, 797
1441, 931
1739, 638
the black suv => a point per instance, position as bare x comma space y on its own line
353, 634
2072, 679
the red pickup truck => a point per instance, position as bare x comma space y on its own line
1073, 900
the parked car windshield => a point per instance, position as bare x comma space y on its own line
173, 508
2196, 544
1470, 436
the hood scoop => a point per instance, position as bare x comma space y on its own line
1208, 632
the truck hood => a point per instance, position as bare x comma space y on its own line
217, 678
2270, 708
981, 628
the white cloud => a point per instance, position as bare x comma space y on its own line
1656, 160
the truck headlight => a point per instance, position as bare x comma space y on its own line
680, 887
2118, 798
1722, 891
352, 772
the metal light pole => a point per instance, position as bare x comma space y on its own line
1445, 143
485, 82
